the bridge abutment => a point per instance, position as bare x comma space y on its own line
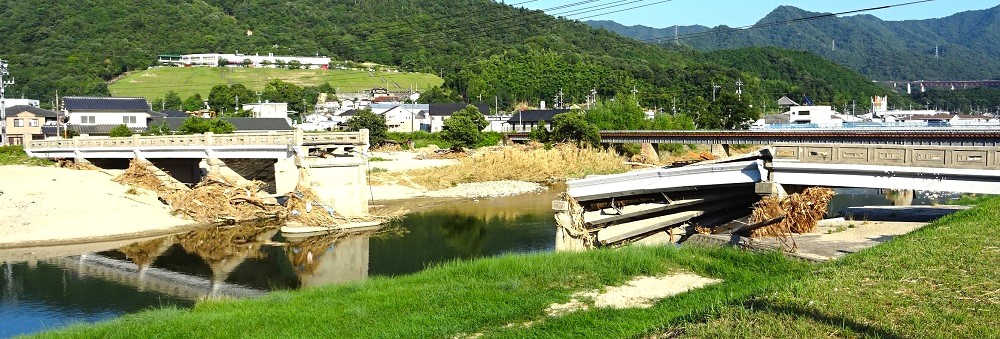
341, 182
720, 150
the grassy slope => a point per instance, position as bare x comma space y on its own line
14, 155
470, 297
937, 282
155, 82
940, 281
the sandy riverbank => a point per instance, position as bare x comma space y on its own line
58, 206
399, 188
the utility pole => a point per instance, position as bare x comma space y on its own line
677, 39
936, 54
3, 104
739, 89
714, 87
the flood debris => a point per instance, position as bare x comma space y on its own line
220, 199
797, 213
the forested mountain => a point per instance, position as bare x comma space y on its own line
482, 48
968, 43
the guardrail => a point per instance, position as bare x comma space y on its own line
296, 138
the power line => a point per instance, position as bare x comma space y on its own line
775, 23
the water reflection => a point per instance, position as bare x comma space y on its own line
46, 287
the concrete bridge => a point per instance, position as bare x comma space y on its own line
922, 137
969, 169
951, 84
334, 161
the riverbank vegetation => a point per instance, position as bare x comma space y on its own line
533, 163
14, 155
939, 281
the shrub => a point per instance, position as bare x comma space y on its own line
159, 129
375, 123
464, 128
196, 125
572, 126
539, 134
490, 139
120, 131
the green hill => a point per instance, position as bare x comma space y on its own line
154, 83
482, 49
967, 43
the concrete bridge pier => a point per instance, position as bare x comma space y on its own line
720, 150
341, 182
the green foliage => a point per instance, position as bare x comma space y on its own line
420, 139
14, 155
729, 113
960, 100
621, 113
573, 127
375, 123
464, 128
539, 134
197, 125
194, 103
490, 139
120, 131
883, 50
161, 128
437, 95
78, 50
173, 101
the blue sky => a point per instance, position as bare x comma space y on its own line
741, 13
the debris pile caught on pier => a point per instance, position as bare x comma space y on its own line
800, 212
220, 199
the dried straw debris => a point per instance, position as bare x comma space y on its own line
801, 211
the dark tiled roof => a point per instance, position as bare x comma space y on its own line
449, 109
349, 113
38, 112
100, 129
106, 104
242, 124
174, 114
535, 115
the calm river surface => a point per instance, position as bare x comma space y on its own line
54, 287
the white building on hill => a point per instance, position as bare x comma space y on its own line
218, 59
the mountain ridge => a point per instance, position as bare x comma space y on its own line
967, 43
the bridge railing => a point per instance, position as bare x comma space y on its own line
296, 138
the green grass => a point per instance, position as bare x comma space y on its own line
14, 155
186, 81
940, 281
468, 297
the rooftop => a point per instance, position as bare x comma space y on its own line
106, 104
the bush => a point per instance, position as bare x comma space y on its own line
120, 131
196, 125
464, 128
375, 123
159, 129
572, 126
539, 134
490, 139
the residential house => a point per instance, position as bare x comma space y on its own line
525, 121
268, 109
24, 123
97, 115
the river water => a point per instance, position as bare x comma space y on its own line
53, 288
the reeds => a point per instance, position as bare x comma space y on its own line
523, 163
